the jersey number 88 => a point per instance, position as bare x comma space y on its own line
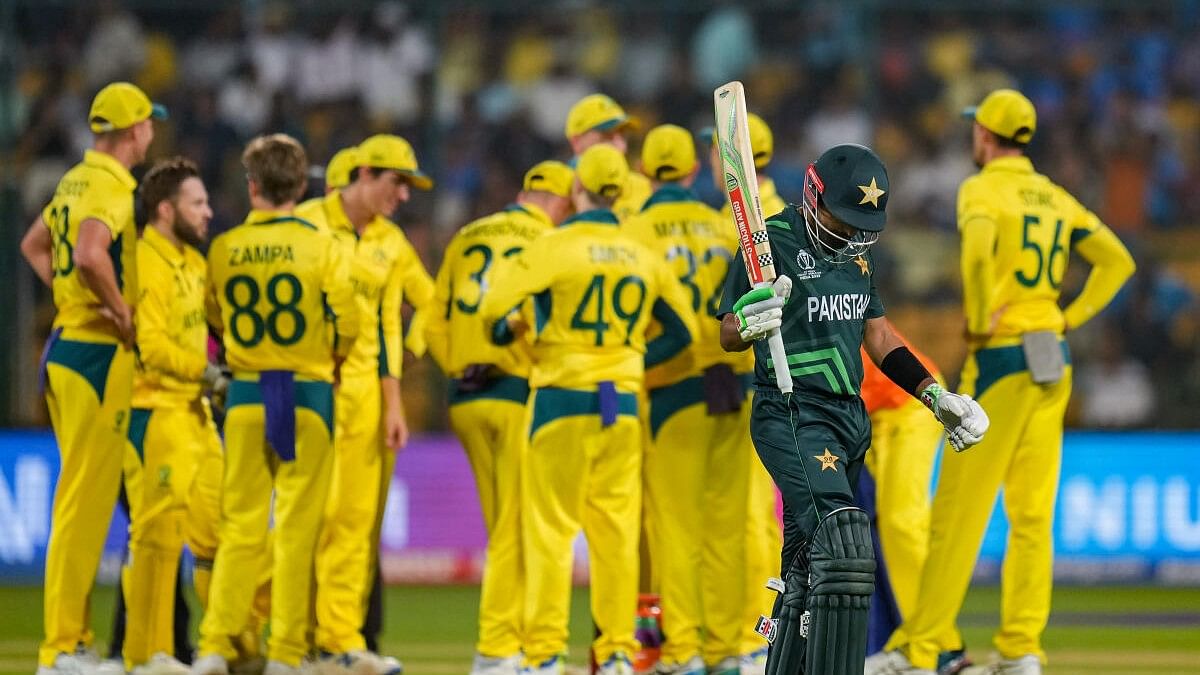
246, 316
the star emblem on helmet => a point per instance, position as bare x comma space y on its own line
871, 193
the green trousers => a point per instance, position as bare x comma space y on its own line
813, 446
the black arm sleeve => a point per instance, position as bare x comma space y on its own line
904, 369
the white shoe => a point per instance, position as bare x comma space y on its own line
551, 666
363, 662
280, 668
619, 664
161, 664
491, 665
112, 667
69, 664
358, 662
211, 664
892, 663
1029, 664
754, 663
693, 666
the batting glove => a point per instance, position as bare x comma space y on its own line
216, 381
964, 419
761, 310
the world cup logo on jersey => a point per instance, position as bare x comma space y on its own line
808, 266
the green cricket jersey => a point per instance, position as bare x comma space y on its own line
823, 322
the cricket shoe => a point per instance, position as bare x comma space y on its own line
72, 664
730, 665
495, 665
363, 662
1029, 664
754, 663
619, 664
95, 665
161, 664
953, 662
892, 663
693, 666
212, 664
552, 666
357, 662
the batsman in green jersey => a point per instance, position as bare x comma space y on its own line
813, 441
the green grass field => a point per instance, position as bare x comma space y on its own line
1131, 631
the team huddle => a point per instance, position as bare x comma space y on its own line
608, 374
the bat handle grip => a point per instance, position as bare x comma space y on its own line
783, 371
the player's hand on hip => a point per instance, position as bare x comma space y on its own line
123, 320
761, 310
963, 417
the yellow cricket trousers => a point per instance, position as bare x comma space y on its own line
204, 516
491, 426
577, 473
254, 473
1021, 453
166, 448
904, 443
764, 541
697, 475
362, 469
89, 386
203, 521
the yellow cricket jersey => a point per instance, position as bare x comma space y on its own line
772, 204
634, 194
385, 271
274, 283
468, 270
172, 334
594, 292
698, 245
99, 188
1018, 230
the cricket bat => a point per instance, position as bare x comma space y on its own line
741, 184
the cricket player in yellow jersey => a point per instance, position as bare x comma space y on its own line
171, 429
489, 388
594, 293
83, 247
696, 471
764, 538
273, 281
597, 118
1018, 231
385, 271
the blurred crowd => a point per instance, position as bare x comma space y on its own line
482, 91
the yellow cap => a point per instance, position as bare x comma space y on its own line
550, 176
602, 170
762, 141
121, 105
597, 111
385, 151
1006, 113
668, 153
340, 166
